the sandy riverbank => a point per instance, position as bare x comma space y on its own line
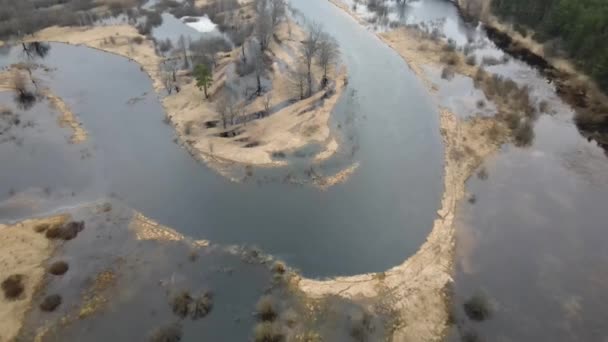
23, 252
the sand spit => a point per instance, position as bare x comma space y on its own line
67, 118
23, 251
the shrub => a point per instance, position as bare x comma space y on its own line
50, 303
490, 61
138, 40
180, 304
201, 306
67, 231
447, 73
58, 268
524, 134
279, 267
168, 333
471, 60
267, 332
265, 309
477, 308
449, 58
12, 286
40, 228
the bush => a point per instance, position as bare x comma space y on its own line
58, 268
201, 306
471, 60
267, 332
169, 333
449, 58
447, 73
477, 308
524, 134
41, 228
12, 286
138, 40
490, 61
266, 310
180, 304
65, 232
50, 303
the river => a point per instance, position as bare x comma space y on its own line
372, 222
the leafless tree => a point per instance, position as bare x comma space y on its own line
327, 55
222, 106
167, 81
257, 59
263, 29
20, 84
267, 101
298, 77
182, 46
309, 49
277, 11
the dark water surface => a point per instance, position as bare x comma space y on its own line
374, 221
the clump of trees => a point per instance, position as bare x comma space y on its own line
318, 48
579, 27
23, 17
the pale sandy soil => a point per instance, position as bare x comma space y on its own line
22, 251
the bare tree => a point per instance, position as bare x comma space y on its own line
20, 84
257, 59
222, 106
263, 29
167, 81
267, 101
328, 54
298, 77
309, 49
182, 46
277, 11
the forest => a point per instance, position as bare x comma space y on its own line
576, 28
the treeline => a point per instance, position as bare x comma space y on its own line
23, 17
578, 28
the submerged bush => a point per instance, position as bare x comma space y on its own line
58, 268
477, 308
50, 303
266, 309
12, 286
180, 304
169, 333
201, 306
267, 332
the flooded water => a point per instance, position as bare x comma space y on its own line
374, 221
531, 236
